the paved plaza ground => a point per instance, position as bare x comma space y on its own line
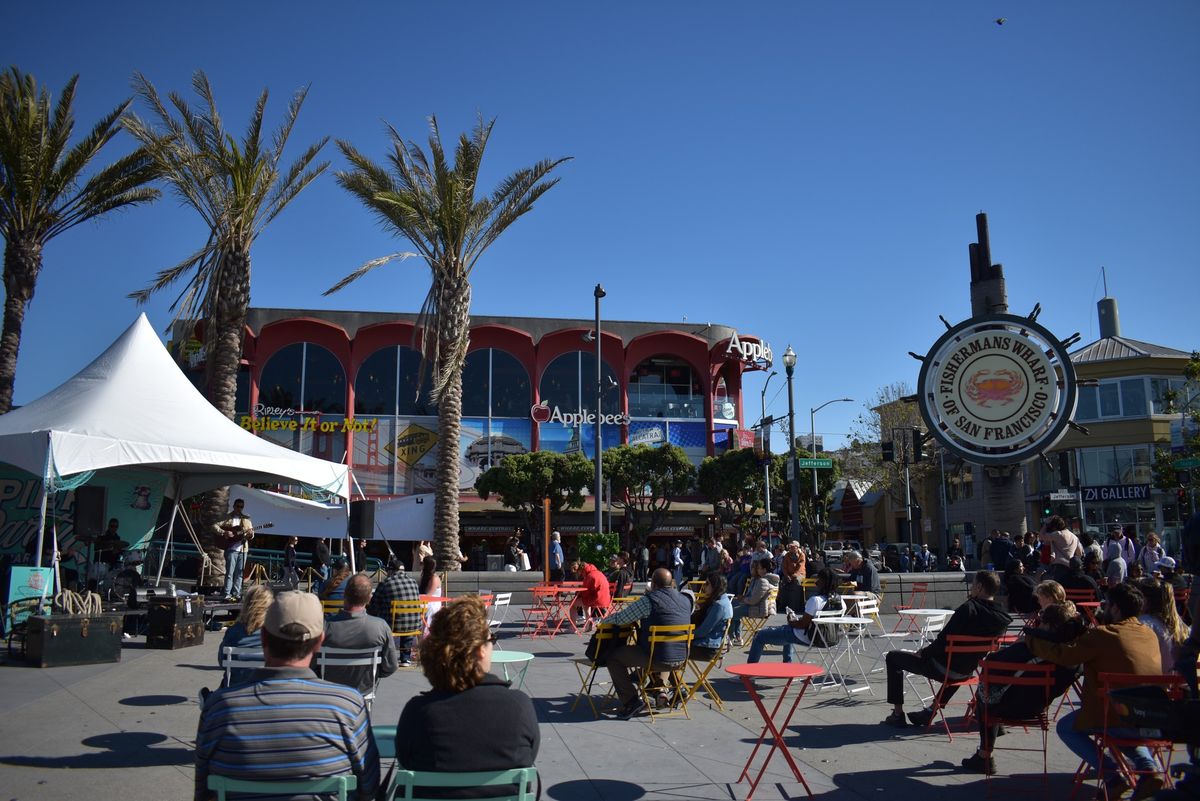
125, 731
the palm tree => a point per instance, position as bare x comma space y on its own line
42, 191
433, 205
237, 188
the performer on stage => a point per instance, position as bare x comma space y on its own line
110, 546
238, 530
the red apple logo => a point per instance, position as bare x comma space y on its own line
540, 412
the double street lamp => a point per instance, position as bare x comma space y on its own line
812, 444
789, 365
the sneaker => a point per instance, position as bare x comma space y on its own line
921, 717
1147, 786
1001, 731
634, 707
736, 642
1112, 790
979, 764
896, 719
405, 661
662, 701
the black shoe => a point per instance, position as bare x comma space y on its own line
921, 717
634, 707
978, 764
1001, 731
896, 719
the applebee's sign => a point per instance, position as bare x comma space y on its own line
544, 413
749, 351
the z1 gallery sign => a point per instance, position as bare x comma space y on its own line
997, 390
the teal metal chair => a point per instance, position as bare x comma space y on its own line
405, 782
342, 785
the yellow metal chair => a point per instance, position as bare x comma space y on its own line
674, 682
408, 620
587, 668
701, 673
329, 608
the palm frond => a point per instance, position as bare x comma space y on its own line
366, 268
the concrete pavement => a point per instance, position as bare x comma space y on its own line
125, 731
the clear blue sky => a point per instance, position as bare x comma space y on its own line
808, 172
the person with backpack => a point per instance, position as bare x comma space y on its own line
801, 629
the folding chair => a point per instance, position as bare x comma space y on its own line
702, 673
829, 652
1018, 674
337, 658
659, 636
330, 608
539, 614
234, 657
1173, 687
498, 612
752, 625
916, 600
342, 785
587, 667
957, 645
405, 782
408, 620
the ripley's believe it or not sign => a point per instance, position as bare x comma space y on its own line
998, 389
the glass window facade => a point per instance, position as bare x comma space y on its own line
495, 384
304, 377
1121, 464
569, 383
387, 384
665, 387
1116, 398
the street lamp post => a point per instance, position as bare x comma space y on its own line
812, 443
762, 422
789, 365
599, 293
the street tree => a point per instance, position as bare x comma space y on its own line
781, 498
237, 187
523, 481
1186, 404
733, 483
889, 416
644, 481
43, 191
423, 198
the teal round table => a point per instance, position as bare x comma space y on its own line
517, 659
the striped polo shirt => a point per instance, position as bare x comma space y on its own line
286, 725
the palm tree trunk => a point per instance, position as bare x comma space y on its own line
453, 336
22, 263
223, 334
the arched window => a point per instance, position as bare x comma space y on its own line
304, 377
664, 386
569, 382
386, 384
495, 384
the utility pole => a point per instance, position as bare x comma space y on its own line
599, 293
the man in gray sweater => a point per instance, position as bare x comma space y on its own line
354, 628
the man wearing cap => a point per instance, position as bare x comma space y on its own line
353, 628
286, 724
1165, 569
398, 586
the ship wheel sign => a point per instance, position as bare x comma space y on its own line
998, 389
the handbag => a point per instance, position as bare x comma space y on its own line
598, 650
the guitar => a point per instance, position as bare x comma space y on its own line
232, 539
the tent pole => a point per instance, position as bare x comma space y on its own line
167, 542
55, 556
41, 532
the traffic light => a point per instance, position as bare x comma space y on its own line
1181, 496
1064, 469
918, 439
889, 451
916, 517
1047, 509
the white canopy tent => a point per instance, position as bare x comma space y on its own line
406, 519
133, 407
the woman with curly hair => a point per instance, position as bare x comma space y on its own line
470, 720
245, 632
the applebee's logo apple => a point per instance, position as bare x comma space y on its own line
540, 412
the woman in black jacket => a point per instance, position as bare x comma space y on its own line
1020, 702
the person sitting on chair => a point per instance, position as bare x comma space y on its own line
710, 617
471, 720
753, 602
802, 628
1061, 623
979, 616
1020, 588
863, 573
594, 597
246, 631
286, 724
354, 628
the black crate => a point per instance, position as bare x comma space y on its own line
58, 640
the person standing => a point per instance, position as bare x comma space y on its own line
643, 563
360, 556
1116, 569
320, 560
512, 555
398, 586
291, 564
556, 557
238, 530
677, 562
1150, 554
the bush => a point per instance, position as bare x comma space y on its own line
597, 548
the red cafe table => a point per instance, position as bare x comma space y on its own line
774, 670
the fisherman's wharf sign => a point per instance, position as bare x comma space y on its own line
998, 389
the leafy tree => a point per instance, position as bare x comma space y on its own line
43, 192
522, 481
237, 188
645, 479
1187, 404
733, 482
433, 204
781, 497
888, 417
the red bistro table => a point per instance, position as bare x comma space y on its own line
774, 670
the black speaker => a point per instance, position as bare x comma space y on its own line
362, 519
89, 511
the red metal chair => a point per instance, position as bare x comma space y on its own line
1018, 674
916, 600
957, 645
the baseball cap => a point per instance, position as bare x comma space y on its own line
295, 616
1166, 562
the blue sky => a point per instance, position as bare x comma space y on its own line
805, 171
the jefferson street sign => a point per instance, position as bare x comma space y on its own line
1062, 495
1183, 464
816, 464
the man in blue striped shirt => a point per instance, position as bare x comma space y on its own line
287, 724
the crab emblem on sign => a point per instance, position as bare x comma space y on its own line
1001, 385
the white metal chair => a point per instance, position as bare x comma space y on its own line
498, 611
337, 658
233, 657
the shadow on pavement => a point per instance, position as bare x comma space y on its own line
606, 789
907, 782
558, 710
153, 700
130, 749
202, 667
